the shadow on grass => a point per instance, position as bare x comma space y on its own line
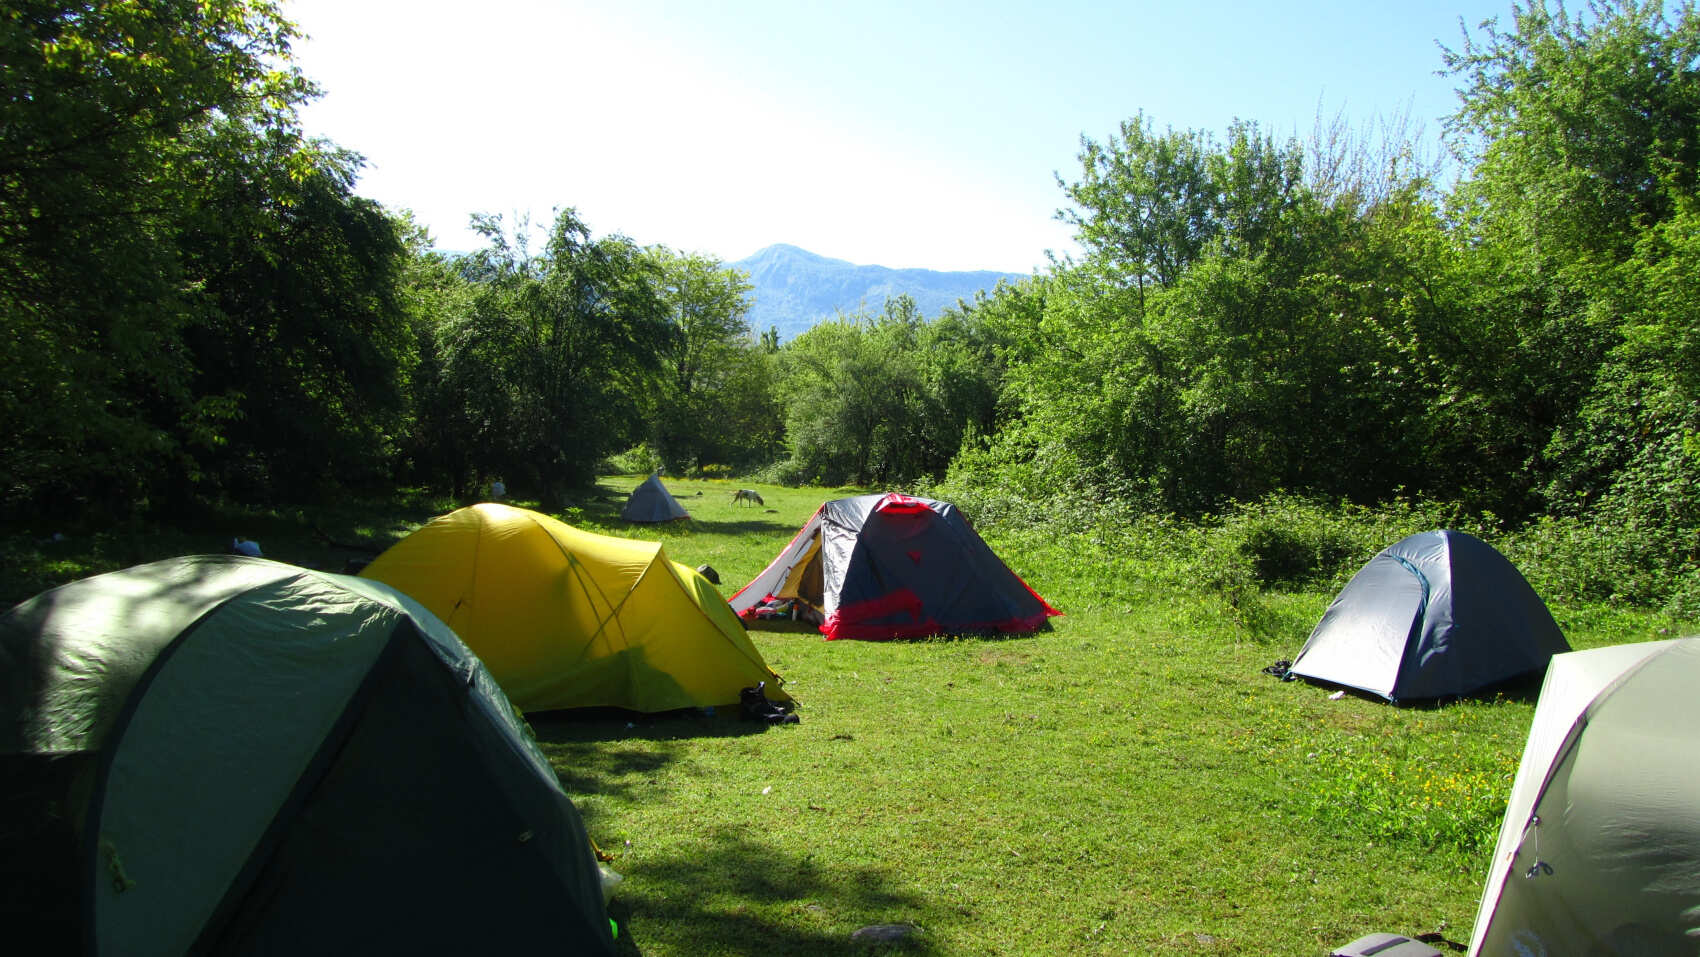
788, 627
728, 892
717, 890
612, 752
1523, 689
594, 725
742, 527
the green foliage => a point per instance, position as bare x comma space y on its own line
714, 402
435, 295
555, 353
109, 118
1612, 557
1284, 549
640, 459
1242, 325
302, 326
1265, 363
885, 400
1582, 125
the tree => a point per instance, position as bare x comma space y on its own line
107, 106
846, 385
554, 351
1583, 128
433, 440
1144, 201
1581, 125
300, 325
1255, 358
695, 421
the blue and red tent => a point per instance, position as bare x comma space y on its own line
893, 566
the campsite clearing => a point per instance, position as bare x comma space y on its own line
1125, 782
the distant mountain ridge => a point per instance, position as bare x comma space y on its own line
794, 288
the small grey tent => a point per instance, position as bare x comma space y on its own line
1599, 852
651, 502
221, 754
1436, 614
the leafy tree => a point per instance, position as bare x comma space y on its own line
104, 106
1144, 202
1581, 125
553, 352
846, 385
709, 407
1583, 128
432, 440
301, 328
1149, 206
1259, 360
887, 399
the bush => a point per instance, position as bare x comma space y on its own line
1609, 558
1287, 541
1294, 555
640, 459
787, 472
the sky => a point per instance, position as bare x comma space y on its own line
902, 133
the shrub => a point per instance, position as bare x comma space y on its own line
640, 459
1609, 558
787, 472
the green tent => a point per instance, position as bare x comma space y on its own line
221, 754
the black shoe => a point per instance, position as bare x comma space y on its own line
756, 707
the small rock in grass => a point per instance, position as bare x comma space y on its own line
885, 933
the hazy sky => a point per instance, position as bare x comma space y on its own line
904, 134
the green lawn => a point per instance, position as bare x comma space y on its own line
1126, 782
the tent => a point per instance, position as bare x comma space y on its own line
893, 566
1599, 852
1436, 614
651, 502
565, 618
261, 758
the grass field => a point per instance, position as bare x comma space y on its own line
1125, 782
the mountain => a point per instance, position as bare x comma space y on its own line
794, 288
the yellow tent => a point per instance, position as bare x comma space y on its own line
564, 618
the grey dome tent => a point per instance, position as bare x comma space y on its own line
894, 566
1599, 851
233, 755
651, 502
1434, 615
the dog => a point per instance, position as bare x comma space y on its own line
747, 495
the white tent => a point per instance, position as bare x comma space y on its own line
1599, 852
